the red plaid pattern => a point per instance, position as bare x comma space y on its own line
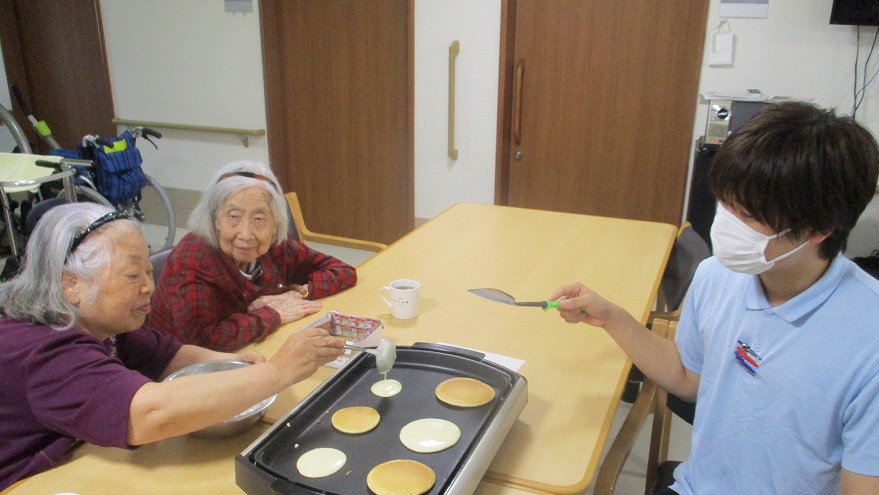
202, 297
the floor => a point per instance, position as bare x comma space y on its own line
631, 480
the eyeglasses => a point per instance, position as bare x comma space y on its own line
100, 222
251, 175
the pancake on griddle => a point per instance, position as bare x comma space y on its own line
355, 420
386, 388
464, 392
400, 477
429, 435
320, 463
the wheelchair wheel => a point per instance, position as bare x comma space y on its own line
152, 209
86, 194
156, 215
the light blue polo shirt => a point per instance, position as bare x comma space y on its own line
802, 403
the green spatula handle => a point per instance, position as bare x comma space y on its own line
551, 305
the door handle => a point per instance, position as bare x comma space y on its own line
454, 48
517, 102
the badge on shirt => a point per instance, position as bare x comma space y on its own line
747, 358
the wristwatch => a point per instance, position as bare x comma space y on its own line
303, 291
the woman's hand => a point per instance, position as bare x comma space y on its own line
304, 352
289, 305
579, 303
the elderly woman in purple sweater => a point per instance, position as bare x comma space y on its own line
78, 364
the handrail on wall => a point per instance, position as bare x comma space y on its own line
454, 49
243, 134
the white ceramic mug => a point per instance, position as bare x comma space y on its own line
403, 298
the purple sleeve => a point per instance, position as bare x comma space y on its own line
76, 388
147, 350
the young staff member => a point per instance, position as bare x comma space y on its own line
779, 335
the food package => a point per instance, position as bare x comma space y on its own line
355, 330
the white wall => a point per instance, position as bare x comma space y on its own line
187, 62
204, 66
441, 181
795, 51
170, 55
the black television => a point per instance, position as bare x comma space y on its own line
855, 12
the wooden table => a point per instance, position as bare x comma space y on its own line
575, 373
178, 466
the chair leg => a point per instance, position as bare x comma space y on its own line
661, 429
659, 439
621, 447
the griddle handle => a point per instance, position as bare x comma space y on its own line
460, 351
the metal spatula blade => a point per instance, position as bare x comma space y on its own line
500, 296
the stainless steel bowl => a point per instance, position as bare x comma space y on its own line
237, 424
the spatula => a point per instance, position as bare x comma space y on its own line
502, 297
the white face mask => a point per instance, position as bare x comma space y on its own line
741, 248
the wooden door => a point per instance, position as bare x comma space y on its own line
597, 107
54, 53
339, 108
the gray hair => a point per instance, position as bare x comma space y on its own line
202, 219
36, 295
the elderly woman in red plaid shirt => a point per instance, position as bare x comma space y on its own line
238, 275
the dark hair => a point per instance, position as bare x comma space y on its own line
795, 166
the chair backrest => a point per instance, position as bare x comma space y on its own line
301, 233
688, 251
291, 224
158, 261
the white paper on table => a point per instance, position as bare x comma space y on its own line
505, 361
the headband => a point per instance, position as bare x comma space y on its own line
251, 175
100, 222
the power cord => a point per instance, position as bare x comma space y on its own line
859, 94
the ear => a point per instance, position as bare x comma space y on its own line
71, 287
818, 237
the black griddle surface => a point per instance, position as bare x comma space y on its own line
419, 370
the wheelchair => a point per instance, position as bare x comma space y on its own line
21, 178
